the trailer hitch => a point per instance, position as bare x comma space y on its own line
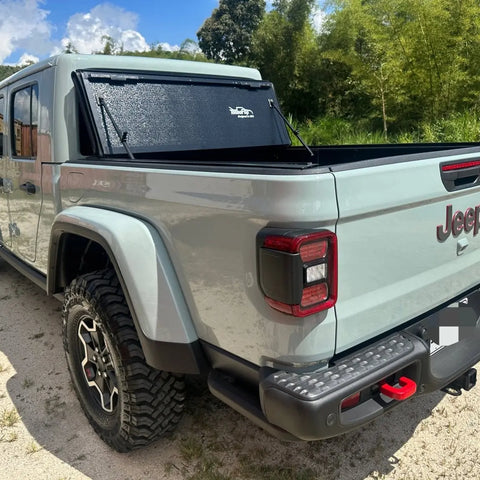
464, 382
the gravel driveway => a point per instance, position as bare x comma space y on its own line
44, 435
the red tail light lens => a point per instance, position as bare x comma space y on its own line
313, 295
459, 166
312, 251
298, 270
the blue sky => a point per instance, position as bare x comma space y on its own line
38, 28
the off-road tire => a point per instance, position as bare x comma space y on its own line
140, 403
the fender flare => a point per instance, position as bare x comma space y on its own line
149, 281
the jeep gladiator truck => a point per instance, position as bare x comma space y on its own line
162, 202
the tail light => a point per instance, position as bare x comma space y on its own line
298, 270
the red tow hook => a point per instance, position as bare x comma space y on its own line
406, 389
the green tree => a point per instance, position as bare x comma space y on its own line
7, 70
70, 48
227, 34
412, 59
188, 51
286, 52
111, 46
189, 46
358, 37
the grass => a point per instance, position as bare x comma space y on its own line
206, 455
337, 131
208, 469
201, 462
10, 438
270, 472
33, 447
458, 127
27, 382
9, 417
191, 448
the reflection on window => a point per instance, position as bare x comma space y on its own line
25, 122
2, 127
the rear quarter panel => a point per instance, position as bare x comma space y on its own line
208, 222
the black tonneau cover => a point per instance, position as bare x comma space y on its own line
166, 113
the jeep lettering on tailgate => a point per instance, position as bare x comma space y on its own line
458, 222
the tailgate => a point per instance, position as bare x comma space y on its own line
392, 264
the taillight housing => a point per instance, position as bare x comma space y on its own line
298, 270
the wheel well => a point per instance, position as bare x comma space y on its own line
73, 254
78, 255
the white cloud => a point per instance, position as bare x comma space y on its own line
24, 25
26, 31
26, 59
87, 31
187, 46
166, 47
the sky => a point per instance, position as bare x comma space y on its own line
31, 30
37, 29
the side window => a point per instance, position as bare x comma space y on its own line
25, 122
2, 123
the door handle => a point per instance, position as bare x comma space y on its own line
28, 188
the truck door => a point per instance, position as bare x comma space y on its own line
24, 168
4, 235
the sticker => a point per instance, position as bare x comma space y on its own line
241, 112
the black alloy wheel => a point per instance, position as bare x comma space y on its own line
128, 403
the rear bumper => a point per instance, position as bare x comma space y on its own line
308, 405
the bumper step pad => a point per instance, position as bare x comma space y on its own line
311, 386
308, 405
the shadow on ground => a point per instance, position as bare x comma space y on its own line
212, 442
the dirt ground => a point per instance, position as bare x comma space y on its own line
44, 434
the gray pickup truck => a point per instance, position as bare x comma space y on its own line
161, 201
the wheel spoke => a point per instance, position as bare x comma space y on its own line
96, 337
97, 364
90, 353
110, 392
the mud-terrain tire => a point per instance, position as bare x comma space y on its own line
128, 403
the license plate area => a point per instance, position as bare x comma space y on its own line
453, 323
